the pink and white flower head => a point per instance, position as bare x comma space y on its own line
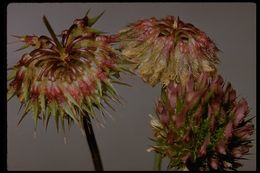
167, 49
68, 78
202, 126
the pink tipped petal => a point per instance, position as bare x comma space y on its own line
221, 147
185, 158
244, 132
241, 111
214, 163
228, 130
203, 148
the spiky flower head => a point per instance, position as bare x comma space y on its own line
69, 78
167, 49
202, 126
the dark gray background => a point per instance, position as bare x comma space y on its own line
124, 140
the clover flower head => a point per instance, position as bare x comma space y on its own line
167, 49
68, 78
202, 126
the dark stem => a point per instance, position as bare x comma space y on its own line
92, 143
53, 35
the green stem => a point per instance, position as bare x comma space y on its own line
92, 143
53, 35
157, 162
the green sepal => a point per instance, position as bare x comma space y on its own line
10, 93
20, 108
108, 104
110, 88
99, 88
62, 117
72, 100
179, 105
93, 20
12, 74
121, 83
23, 47
42, 102
25, 90
48, 116
87, 12
88, 109
69, 111
164, 97
54, 110
69, 121
96, 101
96, 31
25, 112
35, 111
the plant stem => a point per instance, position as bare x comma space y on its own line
53, 35
92, 143
157, 162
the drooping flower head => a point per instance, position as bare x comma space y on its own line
167, 49
69, 78
202, 126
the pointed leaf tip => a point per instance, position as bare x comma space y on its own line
17, 36
53, 35
23, 47
93, 20
87, 13
10, 93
